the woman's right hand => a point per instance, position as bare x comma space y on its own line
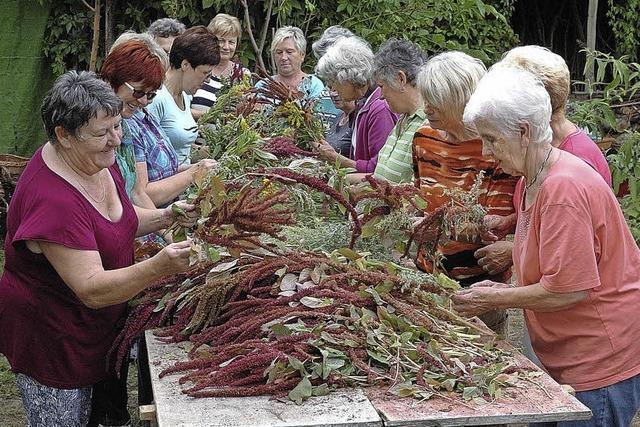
498, 226
174, 258
202, 166
325, 150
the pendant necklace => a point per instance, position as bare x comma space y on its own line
99, 200
544, 163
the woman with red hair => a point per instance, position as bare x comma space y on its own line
135, 69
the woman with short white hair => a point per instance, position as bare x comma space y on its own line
447, 154
288, 50
577, 264
347, 67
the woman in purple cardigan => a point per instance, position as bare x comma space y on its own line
347, 68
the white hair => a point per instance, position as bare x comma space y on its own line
294, 33
349, 60
447, 81
508, 96
549, 67
328, 38
146, 38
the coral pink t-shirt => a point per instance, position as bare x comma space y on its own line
580, 145
574, 238
47, 332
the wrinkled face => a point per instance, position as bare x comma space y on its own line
228, 45
288, 58
165, 43
193, 78
97, 141
508, 151
397, 100
129, 100
348, 92
346, 106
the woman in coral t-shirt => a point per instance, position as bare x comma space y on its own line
576, 263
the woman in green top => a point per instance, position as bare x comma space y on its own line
395, 69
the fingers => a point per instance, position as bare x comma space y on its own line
185, 244
480, 253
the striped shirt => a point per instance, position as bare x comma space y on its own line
395, 163
438, 165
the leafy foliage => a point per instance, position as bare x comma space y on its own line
624, 21
625, 170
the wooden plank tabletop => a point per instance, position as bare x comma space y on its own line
539, 399
344, 408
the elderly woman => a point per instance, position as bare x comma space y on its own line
552, 70
328, 110
69, 254
288, 49
347, 67
395, 69
164, 31
447, 154
134, 68
193, 55
577, 265
228, 31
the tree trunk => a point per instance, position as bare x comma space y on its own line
96, 36
108, 25
591, 35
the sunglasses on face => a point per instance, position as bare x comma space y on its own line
137, 94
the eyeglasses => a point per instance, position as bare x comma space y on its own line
137, 94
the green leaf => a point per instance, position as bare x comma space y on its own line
280, 330
302, 391
321, 390
349, 254
206, 4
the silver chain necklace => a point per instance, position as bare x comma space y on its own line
99, 200
544, 163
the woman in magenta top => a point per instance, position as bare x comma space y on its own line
347, 68
576, 262
69, 254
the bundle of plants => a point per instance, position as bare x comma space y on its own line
299, 326
283, 146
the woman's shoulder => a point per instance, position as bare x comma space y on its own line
427, 132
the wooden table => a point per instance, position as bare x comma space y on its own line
540, 400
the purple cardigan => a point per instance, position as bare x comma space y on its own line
374, 124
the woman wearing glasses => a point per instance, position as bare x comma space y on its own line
135, 68
193, 55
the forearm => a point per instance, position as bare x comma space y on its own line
150, 220
536, 298
109, 287
166, 190
197, 113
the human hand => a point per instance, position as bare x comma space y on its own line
498, 226
185, 213
475, 300
325, 150
174, 258
496, 257
202, 167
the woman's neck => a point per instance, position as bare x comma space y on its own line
293, 81
173, 82
223, 68
561, 127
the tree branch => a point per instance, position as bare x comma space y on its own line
247, 20
265, 27
96, 37
91, 8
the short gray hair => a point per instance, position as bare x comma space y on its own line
349, 60
447, 81
294, 33
75, 98
398, 55
328, 38
147, 39
508, 96
166, 27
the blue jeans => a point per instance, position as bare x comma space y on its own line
612, 406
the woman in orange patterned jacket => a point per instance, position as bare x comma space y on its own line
448, 154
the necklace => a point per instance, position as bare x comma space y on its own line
99, 200
544, 163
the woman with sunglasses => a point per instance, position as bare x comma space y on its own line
135, 68
193, 55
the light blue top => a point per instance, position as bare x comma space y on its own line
178, 124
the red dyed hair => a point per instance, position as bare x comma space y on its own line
132, 61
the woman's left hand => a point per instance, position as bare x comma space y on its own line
325, 150
185, 213
477, 299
